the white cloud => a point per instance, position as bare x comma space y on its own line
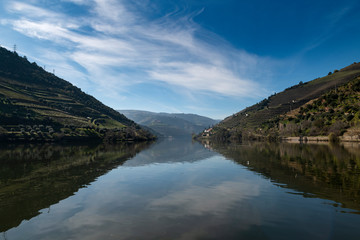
79, 2
113, 10
42, 30
201, 201
164, 49
30, 10
204, 78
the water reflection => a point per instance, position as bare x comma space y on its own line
177, 189
312, 170
172, 150
34, 177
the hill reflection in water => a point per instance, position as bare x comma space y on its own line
178, 189
312, 170
34, 177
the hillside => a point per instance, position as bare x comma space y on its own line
170, 124
265, 118
35, 105
334, 113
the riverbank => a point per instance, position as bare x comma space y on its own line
320, 139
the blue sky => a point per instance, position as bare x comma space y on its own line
208, 57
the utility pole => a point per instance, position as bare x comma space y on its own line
14, 47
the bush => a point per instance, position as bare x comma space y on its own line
222, 135
349, 117
333, 138
347, 108
237, 136
338, 128
309, 107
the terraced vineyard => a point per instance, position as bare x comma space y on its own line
257, 119
37, 105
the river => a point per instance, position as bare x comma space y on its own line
179, 189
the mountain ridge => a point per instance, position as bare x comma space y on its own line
170, 124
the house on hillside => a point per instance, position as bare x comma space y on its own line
207, 132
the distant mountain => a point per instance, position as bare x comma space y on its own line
35, 105
319, 107
170, 124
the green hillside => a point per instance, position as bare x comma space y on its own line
170, 124
35, 105
267, 118
335, 113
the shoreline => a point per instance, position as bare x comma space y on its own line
312, 139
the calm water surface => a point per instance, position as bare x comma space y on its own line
178, 189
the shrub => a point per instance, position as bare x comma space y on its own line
347, 108
222, 135
338, 128
309, 107
333, 138
319, 123
349, 117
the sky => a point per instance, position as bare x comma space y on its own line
208, 57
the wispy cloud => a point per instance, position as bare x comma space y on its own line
116, 38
